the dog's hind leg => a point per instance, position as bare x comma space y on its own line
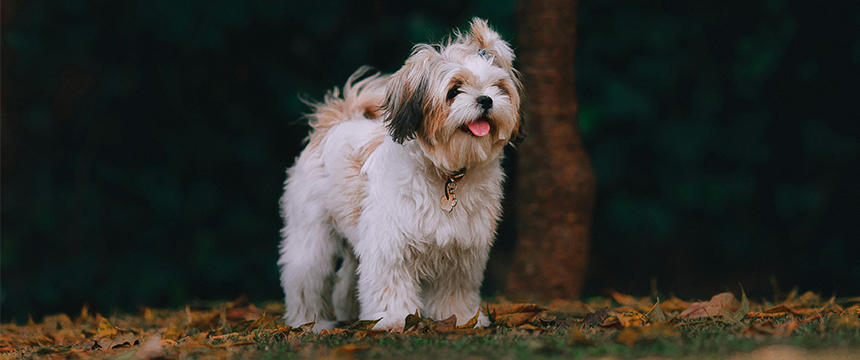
344, 298
308, 252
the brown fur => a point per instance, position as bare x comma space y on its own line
361, 98
354, 185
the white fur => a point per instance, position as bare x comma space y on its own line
356, 194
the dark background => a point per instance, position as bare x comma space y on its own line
144, 142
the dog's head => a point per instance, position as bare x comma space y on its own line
460, 99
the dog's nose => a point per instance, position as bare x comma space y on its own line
486, 102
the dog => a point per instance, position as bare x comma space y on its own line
392, 207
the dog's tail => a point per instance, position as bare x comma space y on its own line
362, 95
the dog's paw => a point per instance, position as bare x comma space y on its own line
389, 321
321, 325
483, 321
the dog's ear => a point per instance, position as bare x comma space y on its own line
406, 98
488, 39
520, 130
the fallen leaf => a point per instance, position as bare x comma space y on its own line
622, 299
765, 315
105, 328
502, 309
596, 318
674, 304
472, 322
204, 320
577, 308
771, 328
782, 309
808, 299
742, 311
515, 319
370, 333
338, 331
249, 312
529, 327
656, 314
624, 319
716, 306
224, 336
849, 300
412, 320
446, 325
364, 324
147, 314
174, 332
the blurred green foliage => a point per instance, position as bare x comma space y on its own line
144, 142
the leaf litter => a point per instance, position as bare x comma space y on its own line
241, 328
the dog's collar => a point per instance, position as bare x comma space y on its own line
449, 197
457, 175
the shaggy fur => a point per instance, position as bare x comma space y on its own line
366, 190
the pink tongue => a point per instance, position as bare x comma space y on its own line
479, 127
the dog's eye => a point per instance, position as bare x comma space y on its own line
453, 92
503, 88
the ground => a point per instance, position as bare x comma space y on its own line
616, 326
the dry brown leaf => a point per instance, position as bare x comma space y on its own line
114, 341
174, 332
249, 312
782, 309
624, 319
147, 314
674, 304
446, 325
204, 320
370, 333
105, 328
771, 328
529, 327
623, 299
766, 315
573, 307
515, 319
337, 331
596, 318
224, 336
364, 324
720, 303
472, 322
656, 313
502, 309
808, 299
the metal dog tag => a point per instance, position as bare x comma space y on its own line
449, 198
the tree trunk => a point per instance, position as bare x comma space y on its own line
555, 187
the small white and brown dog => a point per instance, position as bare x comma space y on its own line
401, 186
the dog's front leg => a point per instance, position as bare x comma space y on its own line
387, 289
455, 290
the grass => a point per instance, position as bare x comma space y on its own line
618, 326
